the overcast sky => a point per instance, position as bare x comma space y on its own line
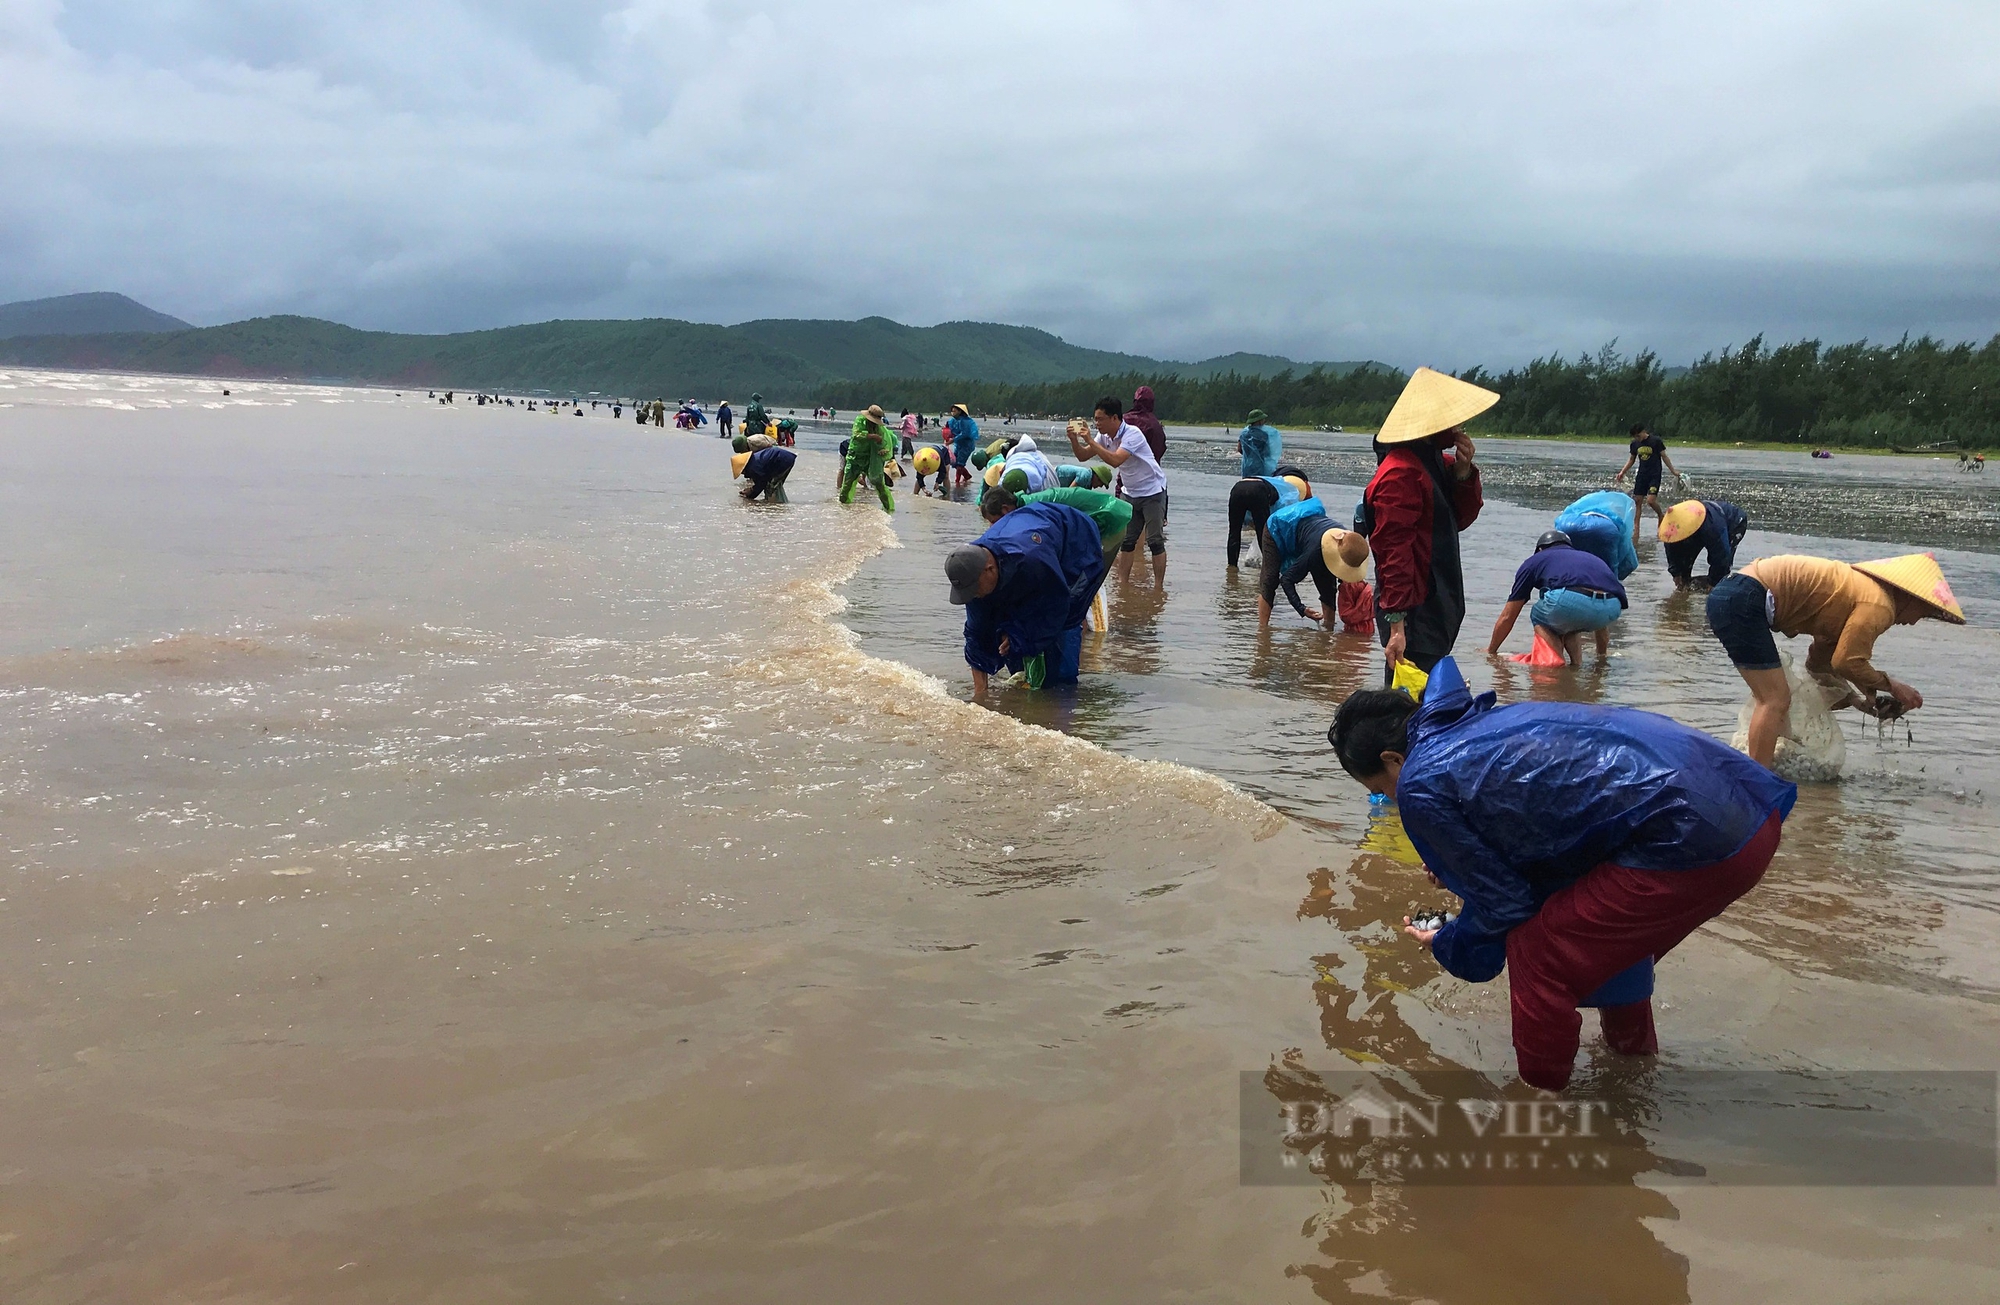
1454, 182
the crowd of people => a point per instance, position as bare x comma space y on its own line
1584, 842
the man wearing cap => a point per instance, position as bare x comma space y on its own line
1254, 498
1261, 446
1125, 449
1026, 586
868, 448
1579, 595
1697, 526
1424, 492
766, 470
1844, 608
963, 432
1301, 540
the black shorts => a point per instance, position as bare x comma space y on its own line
1646, 486
1738, 614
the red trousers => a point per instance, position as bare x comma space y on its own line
1612, 918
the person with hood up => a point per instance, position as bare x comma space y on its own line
1601, 524
1142, 416
1702, 525
963, 433
868, 448
1300, 540
1254, 498
1032, 463
1261, 445
755, 419
1586, 843
766, 470
1412, 513
1026, 586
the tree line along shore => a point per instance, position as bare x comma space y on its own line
1894, 397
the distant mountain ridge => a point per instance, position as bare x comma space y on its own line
787, 359
95, 313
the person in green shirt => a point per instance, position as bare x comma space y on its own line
868, 448
1112, 515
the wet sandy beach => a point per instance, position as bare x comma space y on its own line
467, 855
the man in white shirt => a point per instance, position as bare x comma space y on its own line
1124, 448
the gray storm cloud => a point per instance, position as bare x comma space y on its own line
1453, 183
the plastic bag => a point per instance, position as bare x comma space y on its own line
1545, 652
1410, 680
1812, 749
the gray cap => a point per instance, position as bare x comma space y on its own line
963, 566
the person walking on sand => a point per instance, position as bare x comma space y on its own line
1125, 449
1845, 608
725, 420
1586, 843
1425, 491
1649, 452
869, 447
912, 426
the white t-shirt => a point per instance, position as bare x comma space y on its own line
1140, 473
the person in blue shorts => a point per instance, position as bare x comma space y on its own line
1579, 595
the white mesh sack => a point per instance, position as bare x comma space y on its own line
1812, 749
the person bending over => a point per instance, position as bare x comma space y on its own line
1586, 843
1301, 540
766, 470
1253, 499
1579, 596
1844, 608
1700, 526
1026, 586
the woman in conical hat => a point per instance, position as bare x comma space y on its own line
1425, 491
1845, 608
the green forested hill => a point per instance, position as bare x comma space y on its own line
655, 357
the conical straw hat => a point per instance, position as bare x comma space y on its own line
1919, 576
738, 461
1430, 403
1682, 520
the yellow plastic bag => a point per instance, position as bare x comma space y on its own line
1409, 679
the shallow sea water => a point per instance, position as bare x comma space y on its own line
463, 854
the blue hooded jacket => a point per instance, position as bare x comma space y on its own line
1509, 804
1262, 447
1282, 526
1601, 524
1051, 561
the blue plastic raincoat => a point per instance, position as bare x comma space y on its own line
1509, 804
1601, 524
1262, 447
1051, 563
1288, 493
1282, 526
